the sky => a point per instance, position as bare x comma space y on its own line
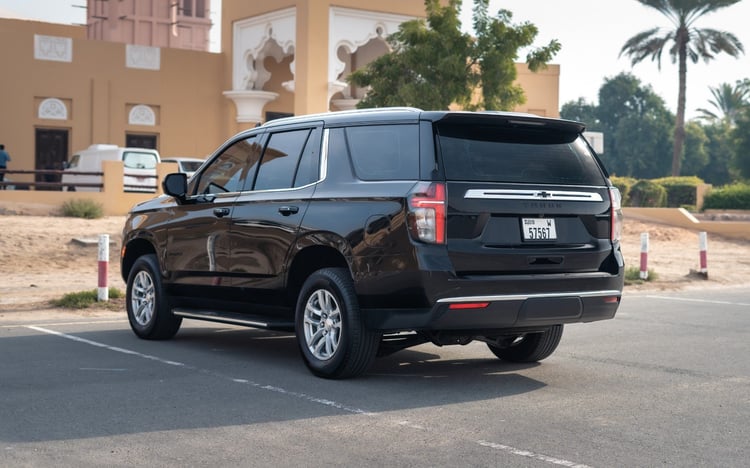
591, 32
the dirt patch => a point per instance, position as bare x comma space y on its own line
39, 260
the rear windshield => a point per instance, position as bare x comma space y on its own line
521, 155
190, 166
138, 160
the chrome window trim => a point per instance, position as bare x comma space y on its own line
523, 297
551, 195
324, 156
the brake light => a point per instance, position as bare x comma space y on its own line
615, 227
427, 212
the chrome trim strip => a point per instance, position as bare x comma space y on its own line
551, 195
219, 318
324, 156
523, 297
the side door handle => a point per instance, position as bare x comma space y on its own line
288, 210
221, 212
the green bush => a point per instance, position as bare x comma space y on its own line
728, 197
83, 299
82, 208
680, 190
633, 275
624, 184
646, 193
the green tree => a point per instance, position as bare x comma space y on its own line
728, 101
742, 150
432, 64
636, 125
683, 41
581, 111
696, 149
721, 149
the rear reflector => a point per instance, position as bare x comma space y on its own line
468, 305
611, 299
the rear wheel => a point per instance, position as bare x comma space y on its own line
530, 347
148, 309
331, 334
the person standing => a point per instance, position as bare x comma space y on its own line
4, 159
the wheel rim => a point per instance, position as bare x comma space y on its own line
322, 324
143, 298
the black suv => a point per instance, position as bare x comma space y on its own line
367, 232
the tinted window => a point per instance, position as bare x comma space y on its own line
137, 160
385, 152
225, 172
280, 160
308, 170
491, 154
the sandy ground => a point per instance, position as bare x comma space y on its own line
39, 259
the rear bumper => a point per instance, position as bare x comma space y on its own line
465, 304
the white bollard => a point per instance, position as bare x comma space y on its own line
644, 256
703, 247
103, 291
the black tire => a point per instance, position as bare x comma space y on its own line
331, 334
148, 309
531, 347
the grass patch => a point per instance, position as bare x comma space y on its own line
84, 299
633, 276
82, 208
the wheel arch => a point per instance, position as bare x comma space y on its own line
309, 259
131, 251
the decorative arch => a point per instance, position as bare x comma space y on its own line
351, 29
142, 115
53, 109
269, 35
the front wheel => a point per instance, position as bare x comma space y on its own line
530, 347
331, 334
148, 309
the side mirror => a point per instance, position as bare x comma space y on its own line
175, 185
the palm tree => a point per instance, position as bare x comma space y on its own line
685, 41
728, 101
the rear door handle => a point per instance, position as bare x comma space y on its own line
288, 210
221, 212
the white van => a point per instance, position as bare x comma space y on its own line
139, 168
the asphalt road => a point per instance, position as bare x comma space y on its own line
667, 382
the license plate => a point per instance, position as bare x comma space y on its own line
538, 229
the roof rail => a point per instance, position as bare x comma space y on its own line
371, 110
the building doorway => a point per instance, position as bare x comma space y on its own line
140, 140
51, 154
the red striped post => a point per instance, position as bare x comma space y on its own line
703, 247
103, 290
644, 256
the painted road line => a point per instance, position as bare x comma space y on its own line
303, 396
702, 301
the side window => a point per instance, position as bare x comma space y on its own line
308, 170
385, 152
138, 160
280, 158
225, 172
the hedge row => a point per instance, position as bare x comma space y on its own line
672, 192
729, 197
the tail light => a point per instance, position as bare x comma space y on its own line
427, 212
616, 214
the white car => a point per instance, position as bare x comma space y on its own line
85, 166
186, 165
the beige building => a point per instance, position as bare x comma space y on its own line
62, 91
